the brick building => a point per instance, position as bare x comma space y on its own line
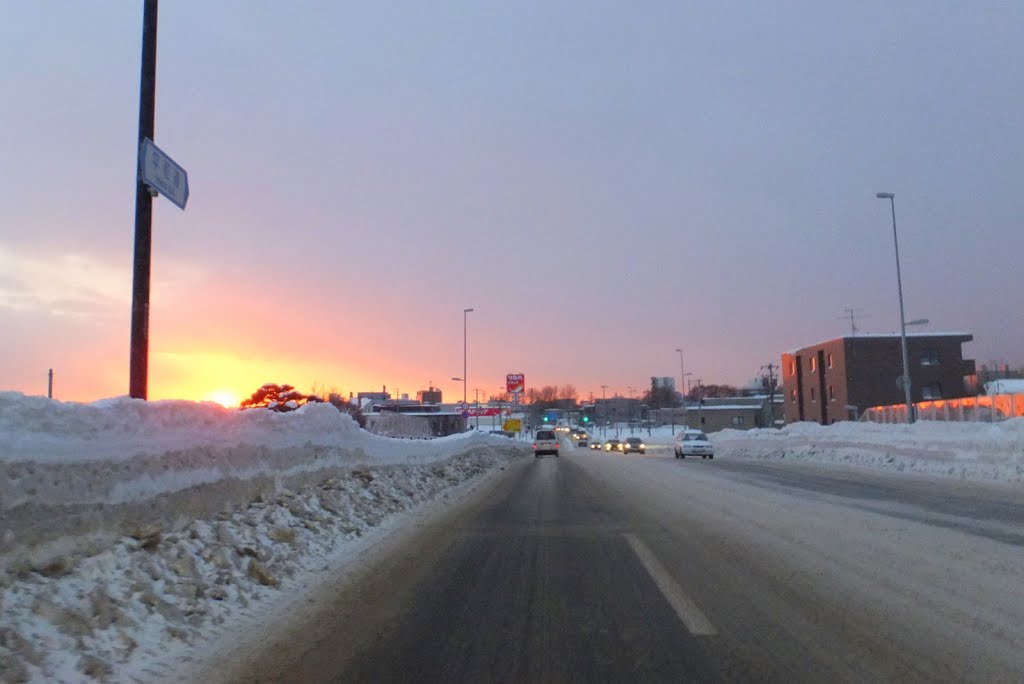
838, 379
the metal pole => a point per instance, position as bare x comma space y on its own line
682, 387
49, 385
138, 372
903, 320
465, 316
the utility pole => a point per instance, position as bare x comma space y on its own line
49, 385
138, 371
771, 389
604, 416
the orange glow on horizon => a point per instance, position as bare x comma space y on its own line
226, 398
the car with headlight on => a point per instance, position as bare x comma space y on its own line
693, 443
581, 438
634, 445
613, 445
596, 444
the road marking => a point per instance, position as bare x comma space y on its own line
685, 608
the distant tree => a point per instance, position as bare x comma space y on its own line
568, 392
276, 397
711, 392
660, 396
340, 403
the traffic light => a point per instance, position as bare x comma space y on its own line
586, 419
545, 419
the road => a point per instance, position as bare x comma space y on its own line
604, 567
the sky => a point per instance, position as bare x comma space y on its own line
602, 182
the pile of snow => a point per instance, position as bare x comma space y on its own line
975, 451
131, 531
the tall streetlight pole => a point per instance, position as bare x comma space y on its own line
903, 320
682, 386
465, 316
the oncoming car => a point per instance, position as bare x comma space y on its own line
613, 445
693, 443
635, 445
545, 442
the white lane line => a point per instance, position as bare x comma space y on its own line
686, 609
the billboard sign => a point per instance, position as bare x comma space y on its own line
477, 412
515, 383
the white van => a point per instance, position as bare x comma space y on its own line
545, 442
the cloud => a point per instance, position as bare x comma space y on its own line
73, 284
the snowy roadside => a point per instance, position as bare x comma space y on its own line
988, 452
127, 612
133, 533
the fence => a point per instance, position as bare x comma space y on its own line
987, 409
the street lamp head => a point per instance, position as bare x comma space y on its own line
457, 379
679, 350
466, 310
884, 195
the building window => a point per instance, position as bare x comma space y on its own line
932, 391
831, 393
737, 420
814, 363
829, 360
930, 357
792, 394
812, 394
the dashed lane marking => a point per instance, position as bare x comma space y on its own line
685, 608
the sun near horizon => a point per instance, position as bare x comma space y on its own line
224, 397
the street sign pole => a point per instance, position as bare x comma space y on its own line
138, 377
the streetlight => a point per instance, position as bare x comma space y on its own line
682, 389
903, 321
465, 315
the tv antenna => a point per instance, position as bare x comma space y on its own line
853, 314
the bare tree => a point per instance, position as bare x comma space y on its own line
568, 392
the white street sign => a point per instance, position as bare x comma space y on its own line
163, 174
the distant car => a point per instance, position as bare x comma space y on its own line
613, 445
634, 444
545, 442
596, 444
693, 443
581, 438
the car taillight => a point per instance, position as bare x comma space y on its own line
534, 446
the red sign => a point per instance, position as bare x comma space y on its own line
474, 412
515, 383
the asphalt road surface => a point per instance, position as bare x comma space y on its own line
604, 567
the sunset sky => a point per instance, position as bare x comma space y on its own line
602, 182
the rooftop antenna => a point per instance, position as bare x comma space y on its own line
853, 314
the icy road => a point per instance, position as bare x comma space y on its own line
604, 567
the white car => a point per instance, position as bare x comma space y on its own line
693, 443
545, 442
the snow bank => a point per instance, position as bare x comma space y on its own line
76, 475
131, 530
975, 451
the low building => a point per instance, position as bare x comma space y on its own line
840, 378
735, 413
